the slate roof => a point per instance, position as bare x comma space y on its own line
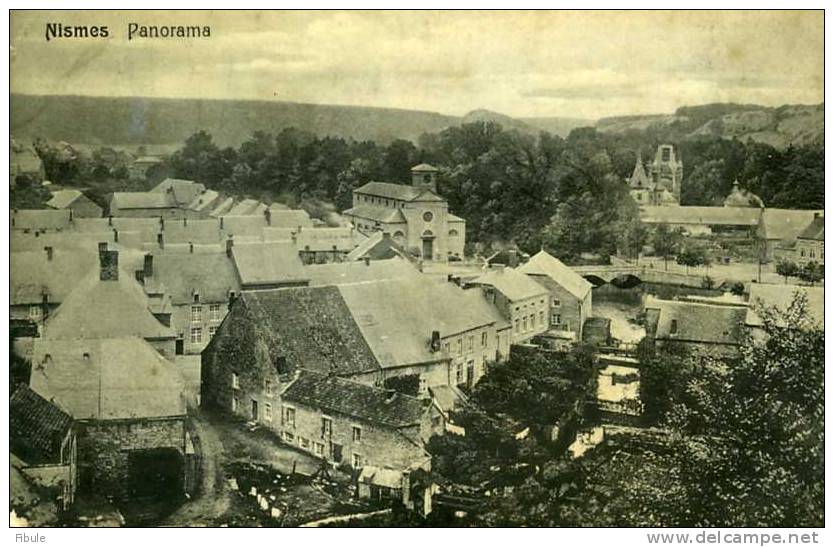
192, 231
184, 191
267, 263
205, 201
699, 322
41, 219
543, 263
312, 327
289, 218
376, 247
211, 274
36, 427
141, 200
815, 230
781, 297
340, 273
344, 238
243, 226
454, 218
244, 207
106, 309
785, 224
397, 316
61, 199
369, 404
222, 207
513, 284
32, 274
401, 192
684, 214
111, 378
379, 214
638, 178
424, 168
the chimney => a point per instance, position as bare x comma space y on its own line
160, 239
147, 266
190, 247
230, 243
109, 266
435, 340
268, 215
49, 253
102, 248
115, 235
185, 222
110, 220
70, 213
161, 223
221, 223
44, 305
367, 260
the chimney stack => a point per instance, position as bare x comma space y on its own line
221, 223
115, 235
44, 305
161, 223
367, 260
190, 247
268, 215
102, 247
160, 239
435, 340
49, 252
230, 243
109, 265
110, 220
147, 266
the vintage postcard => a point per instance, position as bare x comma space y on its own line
557, 269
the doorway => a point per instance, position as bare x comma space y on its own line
428, 249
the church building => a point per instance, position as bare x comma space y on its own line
662, 184
416, 216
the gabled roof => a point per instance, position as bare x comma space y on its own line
183, 191
378, 214
289, 218
424, 168
698, 322
33, 274
243, 226
347, 398
205, 201
340, 273
815, 230
141, 200
511, 283
399, 192
638, 178
781, 297
543, 263
684, 214
36, 427
105, 309
61, 199
378, 246
222, 207
192, 231
244, 207
344, 238
107, 379
397, 316
212, 275
785, 224
311, 326
267, 263
41, 219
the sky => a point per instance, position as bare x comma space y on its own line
524, 64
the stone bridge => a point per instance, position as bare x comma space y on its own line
626, 275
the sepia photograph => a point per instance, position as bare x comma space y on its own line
418, 268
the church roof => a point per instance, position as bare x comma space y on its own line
401, 192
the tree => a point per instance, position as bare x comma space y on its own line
692, 256
787, 268
666, 242
811, 273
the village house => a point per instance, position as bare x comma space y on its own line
183, 192
810, 244
42, 444
698, 221
318, 245
198, 287
143, 204
379, 246
520, 299
341, 273
129, 409
138, 169
704, 328
266, 265
778, 231
73, 200
109, 303
40, 221
353, 424
417, 218
570, 302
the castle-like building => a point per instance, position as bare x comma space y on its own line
662, 184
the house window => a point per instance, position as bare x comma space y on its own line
446, 348
214, 312
471, 343
484, 339
268, 386
196, 335
318, 448
304, 442
235, 381
357, 434
34, 312
212, 332
517, 323
326, 428
423, 385
557, 303
458, 374
289, 437
268, 412
524, 322
235, 403
357, 460
673, 328
196, 314
460, 346
541, 318
556, 319
289, 416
